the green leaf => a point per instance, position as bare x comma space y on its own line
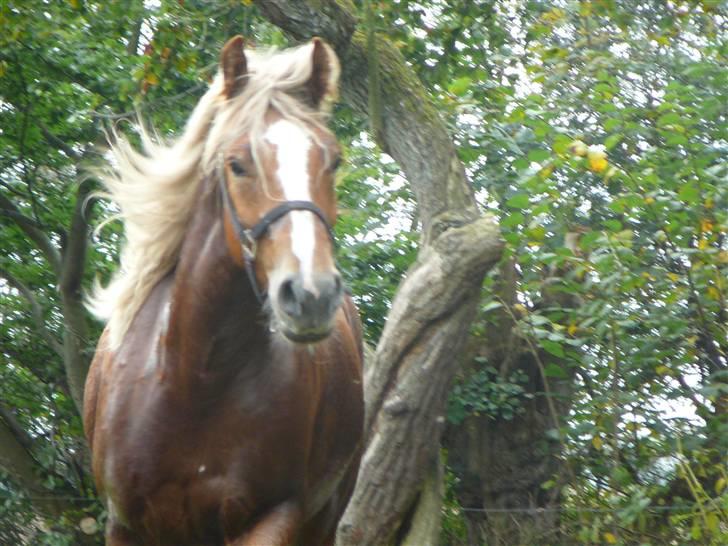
538, 155
555, 371
513, 220
613, 225
518, 201
552, 347
490, 306
521, 163
689, 193
561, 144
611, 124
671, 118
676, 139
612, 140
460, 86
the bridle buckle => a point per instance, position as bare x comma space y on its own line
249, 245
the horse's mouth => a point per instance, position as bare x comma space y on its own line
307, 336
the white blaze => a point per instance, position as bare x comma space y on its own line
292, 149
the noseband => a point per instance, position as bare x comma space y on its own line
249, 237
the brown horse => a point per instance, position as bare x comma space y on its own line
224, 404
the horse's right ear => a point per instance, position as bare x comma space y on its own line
234, 66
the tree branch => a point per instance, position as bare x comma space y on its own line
75, 334
30, 228
58, 143
21, 467
21, 436
35, 309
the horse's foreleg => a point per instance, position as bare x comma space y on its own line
279, 527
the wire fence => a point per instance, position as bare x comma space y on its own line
530, 510
576, 509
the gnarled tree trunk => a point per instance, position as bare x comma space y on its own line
408, 380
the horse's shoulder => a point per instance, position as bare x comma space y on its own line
91, 389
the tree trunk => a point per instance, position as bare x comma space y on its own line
406, 385
502, 464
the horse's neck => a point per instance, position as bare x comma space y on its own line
213, 310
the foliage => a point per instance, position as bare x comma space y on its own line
606, 120
485, 392
594, 130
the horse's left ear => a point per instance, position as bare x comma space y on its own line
234, 66
323, 85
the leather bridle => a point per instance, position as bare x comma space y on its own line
249, 237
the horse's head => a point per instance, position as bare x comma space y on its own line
276, 176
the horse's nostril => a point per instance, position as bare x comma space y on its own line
310, 308
287, 298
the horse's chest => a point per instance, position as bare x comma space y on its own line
187, 461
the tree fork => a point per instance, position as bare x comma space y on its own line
409, 378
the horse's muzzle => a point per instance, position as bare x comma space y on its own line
306, 310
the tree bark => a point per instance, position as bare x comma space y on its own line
75, 333
407, 383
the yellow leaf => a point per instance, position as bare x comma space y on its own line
713, 293
703, 244
597, 442
609, 538
662, 370
597, 158
572, 329
598, 164
74, 3
151, 79
719, 485
649, 200
673, 277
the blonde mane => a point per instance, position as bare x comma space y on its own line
156, 189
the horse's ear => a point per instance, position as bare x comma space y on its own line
234, 66
323, 85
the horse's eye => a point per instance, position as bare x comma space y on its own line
237, 168
336, 163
